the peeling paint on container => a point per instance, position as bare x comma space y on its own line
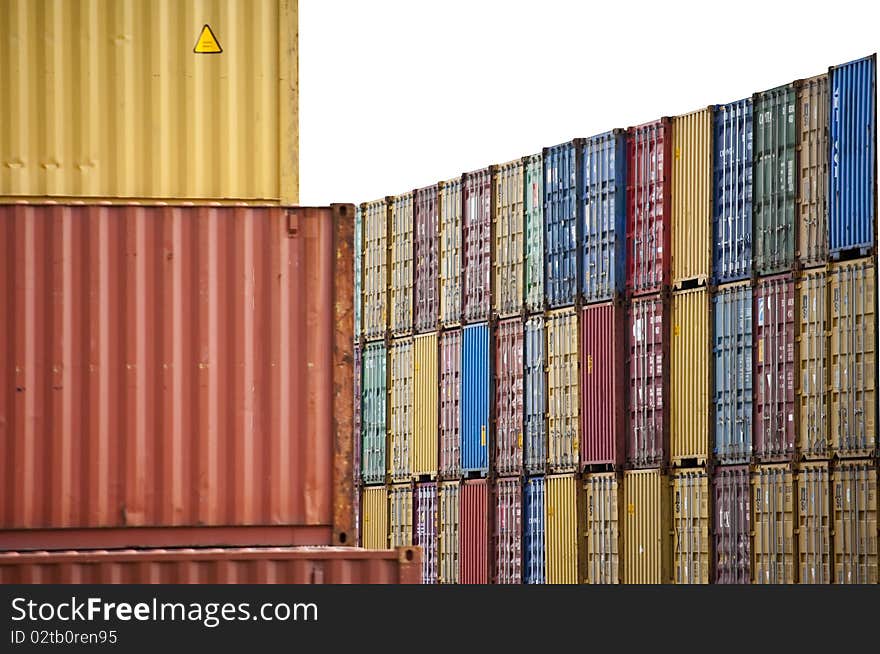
854, 502
563, 527
534, 227
400, 409
602, 528
400, 246
691, 517
426, 244
773, 554
476, 249
375, 414
400, 515
690, 347
448, 543
533, 532
450, 253
561, 239
425, 411
812, 314
476, 372
508, 397
535, 397
813, 148
733, 520
814, 523
508, 262
474, 531
563, 398
377, 221
374, 509
426, 530
507, 544
646, 548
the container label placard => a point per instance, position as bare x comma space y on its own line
207, 42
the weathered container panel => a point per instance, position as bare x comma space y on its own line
426, 253
357, 423
691, 518
509, 259
400, 409
507, 544
476, 371
448, 545
426, 530
533, 532
602, 528
377, 219
561, 239
814, 523
375, 414
812, 207
358, 271
509, 351
534, 226
476, 250
733, 525
425, 411
374, 509
400, 515
813, 364
450, 404
854, 498
774, 556
690, 346
563, 401
535, 397
732, 350
646, 549
400, 246
450, 253
474, 531
563, 524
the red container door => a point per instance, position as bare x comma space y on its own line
474, 532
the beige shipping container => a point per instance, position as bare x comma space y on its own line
509, 261
812, 212
400, 515
689, 390
152, 101
692, 197
563, 397
426, 415
602, 528
773, 551
450, 252
813, 370
814, 523
563, 530
691, 532
854, 501
646, 553
374, 301
447, 538
400, 409
374, 509
400, 247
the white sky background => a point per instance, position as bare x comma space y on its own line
398, 94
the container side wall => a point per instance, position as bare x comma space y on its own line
534, 232
814, 523
508, 397
533, 532
689, 388
448, 545
535, 397
563, 402
476, 252
425, 531
646, 544
773, 555
450, 253
400, 409
358, 271
508, 551
509, 256
564, 556
475, 375
400, 515
813, 148
374, 533
426, 253
561, 163
691, 517
375, 414
854, 498
376, 269
425, 411
733, 525
474, 531
602, 528
450, 404
401, 253
812, 313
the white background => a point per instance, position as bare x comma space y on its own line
398, 94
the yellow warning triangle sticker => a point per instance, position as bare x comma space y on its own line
207, 43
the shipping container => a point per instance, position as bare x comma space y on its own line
535, 397
813, 357
358, 271
563, 528
533, 532
647, 557
648, 237
852, 193
853, 359
561, 239
450, 253
691, 517
425, 410
508, 188
357, 422
400, 409
602, 195
854, 491
603, 386
732, 212
774, 557
450, 404
648, 364
690, 424
814, 523
426, 253
691, 197
116, 100
374, 509
732, 352
425, 530
474, 531
448, 538
508, 551
732, 528
400, 248
602, 528
563, 398
812, 162
775, 356
534, 228
476, 371
377, 218
400, 515
508, 397
175, 372
375, 414
476, 245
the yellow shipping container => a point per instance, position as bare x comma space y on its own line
691, 533
509, 260
400, 409
563, 533
813, 369
854, 492
602, 528
814, 523
563, 396
149, 100
401, 249
646, 551
689, 390
374, 534
447, 535
773, 550
400, 515
426, 417
691, 196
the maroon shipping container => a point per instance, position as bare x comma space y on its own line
450, 404
649, 218
175, 375
425, 529
273, 565
775, 361
603, 386
477, 246
508, 553
426, 244
648, 356
509, 351
732, 528
473, 532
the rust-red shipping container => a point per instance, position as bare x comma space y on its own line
509, 350
733, 525
775, 361
507, 544
649, 218
268, 565
476, 241
426, 246
175, 375
603, 385
473, 531
450, 404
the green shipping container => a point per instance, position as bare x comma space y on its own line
374, 416
534, 226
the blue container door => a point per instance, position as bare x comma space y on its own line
535, 400
475, 398
534, 532
732, 347
560, 224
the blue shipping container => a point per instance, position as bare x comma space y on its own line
358, 272
852, 191
732, 349
533, 526
732, 213
475, 376
535, 397
603, 209
561, 164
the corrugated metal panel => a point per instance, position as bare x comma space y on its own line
733, 530
400, 409
476, 250
426, 252
475, 376
813, 357
603, 196
509, 264
448, 542
691, 517
400, 515
375, 414
110, 101
508, 552
689, 387
450, 253
400, 247
647, 558
377, 215
732, 349
425, 411
450, 404
563, 397
602, 529
814, 523
357, 407
732, 213
533, 536
426, 530
603, 385
648, 362
374, 533
648, 210
563, 530
853, 182
358, 270
561, 172
509, 350
854, 490
535, 397
175, 367
534, 227
474, 531
692, 196
773, 504
853, 359
813, 147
